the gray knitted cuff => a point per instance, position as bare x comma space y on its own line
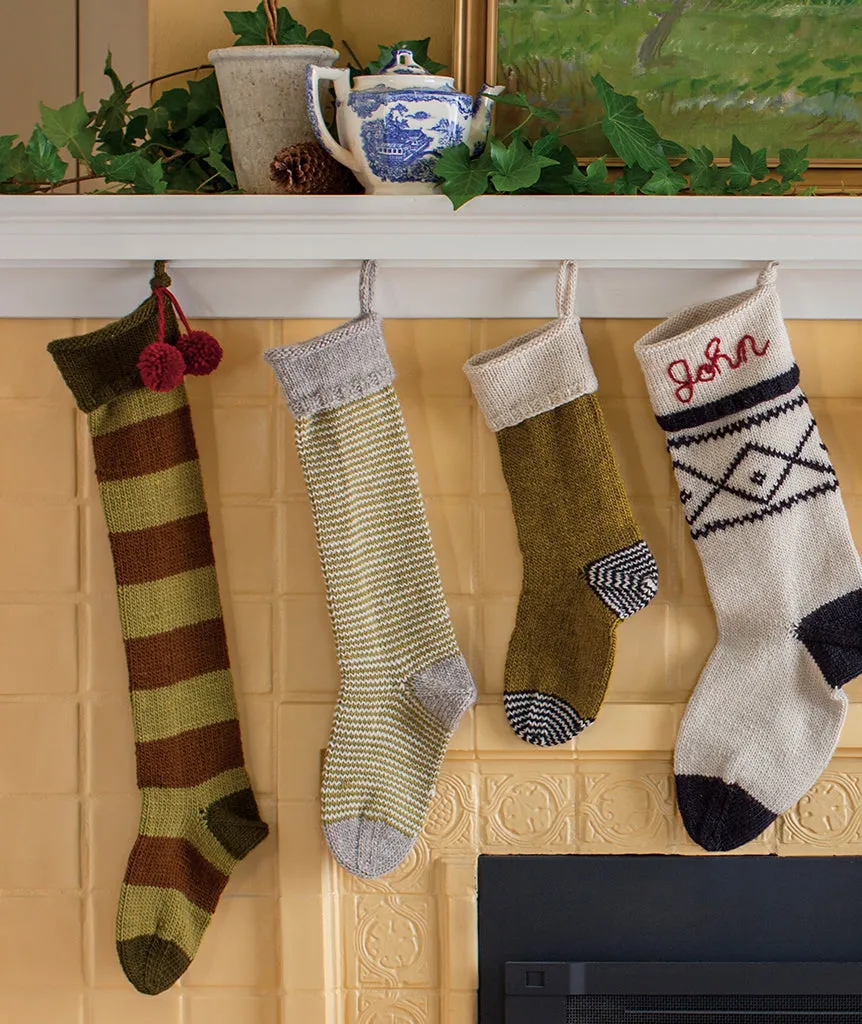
335, 368
531, 374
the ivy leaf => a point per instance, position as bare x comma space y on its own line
705, 178
745, 165
554, 179
203, 98
110, 119
770, 187
516, 166
134, 169
248, 26
665, 181
633, 138
317, 37
793, 163
69, 126
463, 178
13, 159
45, 161
671, 148
211, 145
597, 178
631, 181
419, 49
519, 99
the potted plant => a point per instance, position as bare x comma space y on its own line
263, 87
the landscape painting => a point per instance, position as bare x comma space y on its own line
776, 73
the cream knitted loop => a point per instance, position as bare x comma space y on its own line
567, 282
367, 277
769, 274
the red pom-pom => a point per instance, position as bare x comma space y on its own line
161, 366
201, 352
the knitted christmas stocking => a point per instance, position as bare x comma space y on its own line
586, 566
405, 684
199, 816
762, 504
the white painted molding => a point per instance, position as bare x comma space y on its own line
280, 256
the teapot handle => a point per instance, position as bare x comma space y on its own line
313, 76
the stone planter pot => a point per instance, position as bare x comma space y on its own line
263, 95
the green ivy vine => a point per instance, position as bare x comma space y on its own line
651, 165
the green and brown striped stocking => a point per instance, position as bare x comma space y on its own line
199, 815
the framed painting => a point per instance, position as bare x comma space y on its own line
776, 73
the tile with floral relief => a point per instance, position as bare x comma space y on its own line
390, 940
452, 823
48, 430
411, 876
625, 806
38, 649
527, 806
828, 819
395, 1007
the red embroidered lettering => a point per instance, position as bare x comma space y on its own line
681, 374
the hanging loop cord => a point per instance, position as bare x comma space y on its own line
367, 279
567, 282
769, 274
162, 365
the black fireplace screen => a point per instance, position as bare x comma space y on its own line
682, 940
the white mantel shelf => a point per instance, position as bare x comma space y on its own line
277, 256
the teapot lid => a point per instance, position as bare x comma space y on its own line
402, 72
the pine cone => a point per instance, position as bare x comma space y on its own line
307, 169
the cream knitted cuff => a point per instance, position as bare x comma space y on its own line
340, 366
718, 358
532, 374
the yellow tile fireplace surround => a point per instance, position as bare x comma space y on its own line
295, 940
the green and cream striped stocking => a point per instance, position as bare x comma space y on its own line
405, 684
199, 816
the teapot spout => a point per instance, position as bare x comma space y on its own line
480, 120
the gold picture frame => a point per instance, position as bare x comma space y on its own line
475, 62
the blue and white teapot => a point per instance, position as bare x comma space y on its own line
395, 124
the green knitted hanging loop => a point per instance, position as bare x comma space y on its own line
160, 278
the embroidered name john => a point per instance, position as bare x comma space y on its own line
715, 361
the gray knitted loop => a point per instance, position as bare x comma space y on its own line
769, 274
367, 277
567, 283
